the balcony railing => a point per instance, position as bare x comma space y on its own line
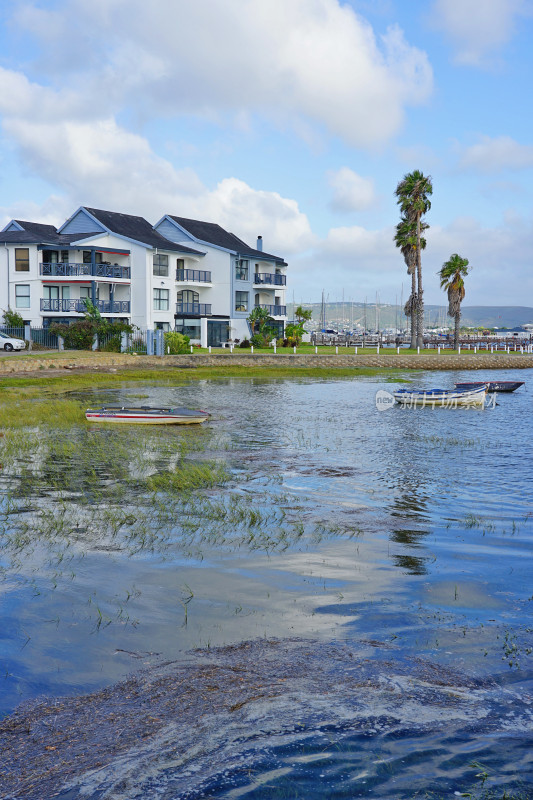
193, 309
79, 306
193, 275
274, 311
270, 278
64, 270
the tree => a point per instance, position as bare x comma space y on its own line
12, 319
260, 322
413, 193
405, 239
452, 274
303, 315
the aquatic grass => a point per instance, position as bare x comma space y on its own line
188, 477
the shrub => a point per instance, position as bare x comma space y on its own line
176, 343
245, 343
12, 319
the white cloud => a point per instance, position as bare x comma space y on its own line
288, 61
101, 164
496, 154
351, 192
365, 262
478, 30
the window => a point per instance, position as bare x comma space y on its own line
189, 327
65, 292
22, 296
188, 296
87, 257
241, 301
241, 269
180, 263
51, 292
161, 265
22, 259
85, 293
162, 326
64, 256
160, 299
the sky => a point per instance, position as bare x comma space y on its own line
292, 119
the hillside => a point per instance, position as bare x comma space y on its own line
347, 315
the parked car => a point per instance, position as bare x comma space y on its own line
9, 343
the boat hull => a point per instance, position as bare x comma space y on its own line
493, 386
146, 416
441, 398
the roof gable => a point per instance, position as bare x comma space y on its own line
212, 233
128, 226
82, 222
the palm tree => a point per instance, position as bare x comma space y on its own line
413, 192
451, 276
405, 239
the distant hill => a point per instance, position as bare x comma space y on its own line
347, 315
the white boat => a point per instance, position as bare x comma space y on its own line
146, 415
445, 398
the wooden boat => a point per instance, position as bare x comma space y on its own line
446, 398
146, 415
493, 386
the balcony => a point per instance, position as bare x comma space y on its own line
274, 311
79, 306
193, 309
64, 270
193, 276
270, 279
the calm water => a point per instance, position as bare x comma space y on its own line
405, 536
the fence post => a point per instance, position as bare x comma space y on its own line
252, 348
61, 343
95, 341
123, 342
159, 343
336, 350
149, 342
27, 336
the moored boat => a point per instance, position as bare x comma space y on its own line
445, 398
493, 386
146, 415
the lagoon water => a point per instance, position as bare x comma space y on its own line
394, 546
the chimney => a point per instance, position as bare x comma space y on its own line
259, 243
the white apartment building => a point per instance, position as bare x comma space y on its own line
182, 274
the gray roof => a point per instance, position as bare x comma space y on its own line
212, 233
39, 233
139, 229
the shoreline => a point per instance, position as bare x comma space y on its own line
46, 364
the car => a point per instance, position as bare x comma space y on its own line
10, 343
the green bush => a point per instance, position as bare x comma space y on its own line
12, 319
176, 343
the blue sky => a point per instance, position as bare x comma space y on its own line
293, 119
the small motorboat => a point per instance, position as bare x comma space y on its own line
445, 398
146, 415
493, 386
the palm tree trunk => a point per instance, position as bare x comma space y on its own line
456, 334
414, 322
420, 299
